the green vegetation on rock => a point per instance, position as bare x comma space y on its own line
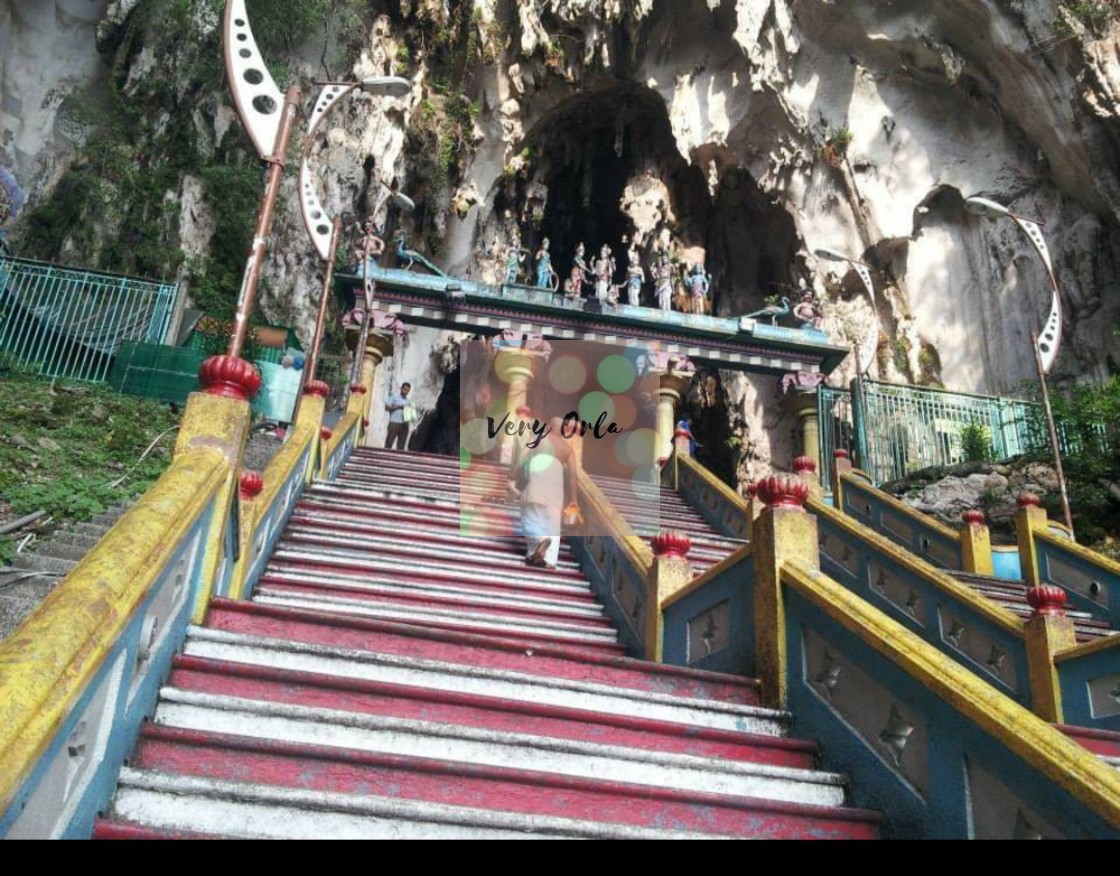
74, 450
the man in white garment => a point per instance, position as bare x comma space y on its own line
539, 478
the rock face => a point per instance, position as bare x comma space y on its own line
745, 132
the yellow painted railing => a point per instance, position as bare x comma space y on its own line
1045, 750
51, 660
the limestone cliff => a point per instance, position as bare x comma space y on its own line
749, 131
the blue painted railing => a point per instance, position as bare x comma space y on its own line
914, 531
923, 741
710, 624
70, 323
987, 639
1091, 581
720, 506
124, 644
618, 565
1089, 679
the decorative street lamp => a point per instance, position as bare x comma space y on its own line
1047, 344
865, 353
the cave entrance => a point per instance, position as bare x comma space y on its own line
611, 171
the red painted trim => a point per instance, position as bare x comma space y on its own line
1106, 742
317, 388
251, 485
229, 377
104, 829
509, 652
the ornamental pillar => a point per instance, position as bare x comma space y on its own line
516, 367
670, 573
673, 387
379, 347
803, 404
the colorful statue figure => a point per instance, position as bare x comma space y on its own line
806, 313
581, 264
573, 286
515, 258
635, 279
698, 285
545, 274
604, 268
663, 282
368, 248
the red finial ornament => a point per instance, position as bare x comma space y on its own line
365, 424
229, 377
326, 434
1029, 500
671, 545
974, 517
251, 484
1047, 601
317, 387
804, 465
358, 389
783, 491
841, 454
751, 488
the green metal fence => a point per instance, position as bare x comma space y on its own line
892, 431
71, 323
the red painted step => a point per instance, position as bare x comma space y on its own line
515, 654
451, 707
369, 774
426, 600
121, 830
1103, 742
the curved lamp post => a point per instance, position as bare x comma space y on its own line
866, 352
321, 228
1047, 344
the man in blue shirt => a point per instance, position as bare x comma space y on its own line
398, 425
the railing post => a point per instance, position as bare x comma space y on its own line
754, 509
1048, 632
379, 347
669, 573
250, 486
841, 465
976, 544
805, 467
1030, 518
784, 532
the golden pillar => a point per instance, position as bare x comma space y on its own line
379, 347
516, 367
803, 405
673, 388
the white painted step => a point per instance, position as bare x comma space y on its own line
465, 548
574, 633
249, 811
191, 710
419, 590
356, 561
502, 684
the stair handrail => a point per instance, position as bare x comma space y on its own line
81, 672
733, 519
1028, 755
1088, 684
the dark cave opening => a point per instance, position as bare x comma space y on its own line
591, 147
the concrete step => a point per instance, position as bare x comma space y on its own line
93, 530
495, 682
47, 565
490, 622
495, 789
189, 710
550, 661
76, 539
256, 811
61, 551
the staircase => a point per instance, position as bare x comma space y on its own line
395, 677
670, 511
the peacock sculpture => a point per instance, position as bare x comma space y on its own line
772, 312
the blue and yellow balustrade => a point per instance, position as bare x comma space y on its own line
944, 752
82, 673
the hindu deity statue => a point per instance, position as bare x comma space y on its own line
573, 286
580, 263
808, 317
698, 283
515, 258
635, 279
546, 277
663, 282
604, 268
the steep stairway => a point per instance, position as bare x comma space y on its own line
661, 508
1012, 595
394, 677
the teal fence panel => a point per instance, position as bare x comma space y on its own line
71, 323
892, 431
